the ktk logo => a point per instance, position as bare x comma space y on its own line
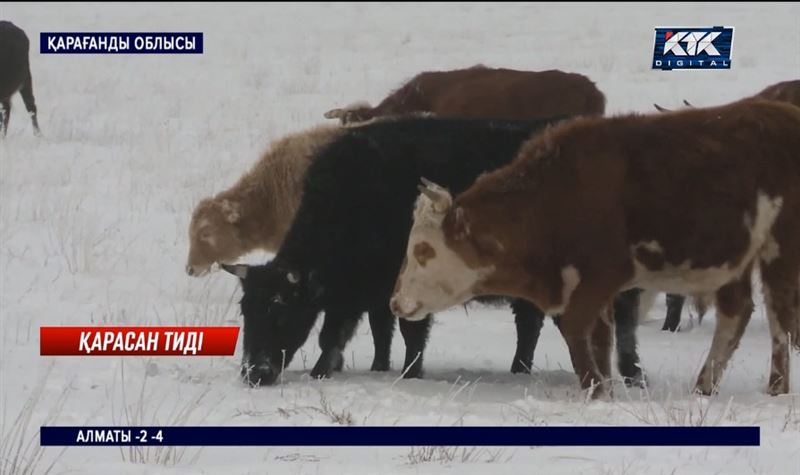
693, 48
696, 42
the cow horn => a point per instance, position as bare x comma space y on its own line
239, 270
688, 104
661, 109
428, 183
432, 194
334, 113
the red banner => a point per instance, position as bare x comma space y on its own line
137, 341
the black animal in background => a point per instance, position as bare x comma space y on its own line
15, 73
345, 247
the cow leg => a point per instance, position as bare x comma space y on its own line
780, 282
30, 103
337, 330
734, 308
626, 320
577, 324
415, 335
674, 308
700, 304
601, 345
381, 322
529, 321
5, 115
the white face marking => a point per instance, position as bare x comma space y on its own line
685, 279
570, 278
439, 280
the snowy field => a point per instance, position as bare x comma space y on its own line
94, 219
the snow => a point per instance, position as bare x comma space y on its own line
94, 221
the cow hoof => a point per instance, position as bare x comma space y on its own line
635, 381
777, 387
338, 363
518, 367
324, 369
634, 377
413, 373
601, 391
379, 365
320, 374
703, 391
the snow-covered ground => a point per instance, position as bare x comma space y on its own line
93, 230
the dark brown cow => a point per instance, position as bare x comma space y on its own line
15, 74
481, 92
595, 206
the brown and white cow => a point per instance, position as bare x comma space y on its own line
786, 91
595, 206
481, 92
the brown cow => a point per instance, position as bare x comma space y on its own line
481, 92
596, 206
256, 212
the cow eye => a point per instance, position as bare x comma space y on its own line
278, 299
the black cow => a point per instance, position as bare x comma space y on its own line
345, 247
15, 73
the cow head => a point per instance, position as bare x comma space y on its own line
214, 235
279, 306
434, 275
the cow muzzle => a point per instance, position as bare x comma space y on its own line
261, 374
200, 271
406, 308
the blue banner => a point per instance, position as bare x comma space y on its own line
120, 43
401, 436
693, 48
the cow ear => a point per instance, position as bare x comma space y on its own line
239, 270
231, 210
